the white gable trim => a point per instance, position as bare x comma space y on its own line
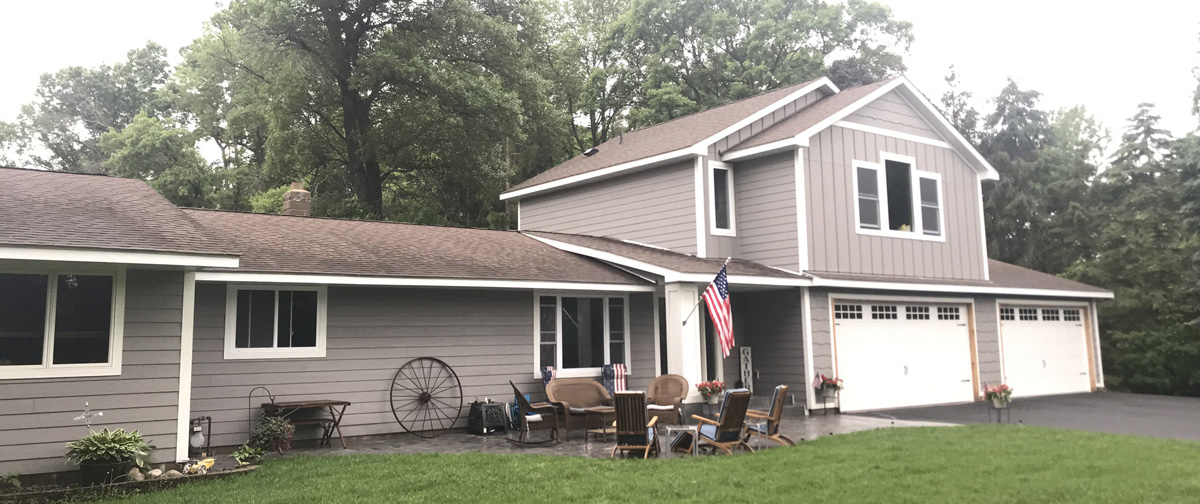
304, 279
762, 150
892, 133
823, 82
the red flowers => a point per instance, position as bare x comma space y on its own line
710, 388
1002, 392
827, 383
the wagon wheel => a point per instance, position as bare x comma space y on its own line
426, 397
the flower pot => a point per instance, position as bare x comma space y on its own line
829, 393
999, 403
713, 399
103, 473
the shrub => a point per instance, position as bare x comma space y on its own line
273, 433
106, 446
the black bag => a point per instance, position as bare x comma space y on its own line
682, 442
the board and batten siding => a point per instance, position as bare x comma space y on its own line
766, 211
486, 336
836, 246
655, 206
821, 332
892, 112
37, 416
987, 341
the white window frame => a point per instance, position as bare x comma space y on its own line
116, 332
234, 353
918, 233
591, 372
713, 166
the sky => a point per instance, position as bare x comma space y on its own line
1108, 59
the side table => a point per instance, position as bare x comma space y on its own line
486, 418
604, 414
692, 428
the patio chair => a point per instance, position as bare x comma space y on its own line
665, 398
634, 433
541, 416
572, 396
728, 432
770, 430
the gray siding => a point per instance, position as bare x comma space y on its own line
776, 321
642, 365
835, 245
723, 145
766, 210
37, 416
486, 336
892, 112
987, 341
656, 206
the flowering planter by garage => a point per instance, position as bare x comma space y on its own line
999, 403
104, 473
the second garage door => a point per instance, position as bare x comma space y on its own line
899, 355
1045, 350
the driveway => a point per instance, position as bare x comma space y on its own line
1112, 412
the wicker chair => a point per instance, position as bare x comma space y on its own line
729, 432
634, 433
571, 396
535, 417
665, 398
772, 417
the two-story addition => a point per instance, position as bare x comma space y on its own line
852, 222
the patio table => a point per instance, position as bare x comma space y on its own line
604, 413
328, 425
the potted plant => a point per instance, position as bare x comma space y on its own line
711, 390
827, 386
273, 433
1000, 395
103, 456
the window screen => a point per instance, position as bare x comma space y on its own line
82, 319
721, 199
931, 223
868, 198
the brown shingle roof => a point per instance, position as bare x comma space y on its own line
810, 116
1002, 274
56, 209
312, 245
661, 138
664, 258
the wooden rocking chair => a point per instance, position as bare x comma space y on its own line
542, 416
729, 431
772, 417
634, 433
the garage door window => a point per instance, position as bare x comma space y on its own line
883, 312
1008, 314
916, 312
1029, 314
947, 313
1071, 315
847, 311
1050, 315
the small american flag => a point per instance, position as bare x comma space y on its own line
716, 298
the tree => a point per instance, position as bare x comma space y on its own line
162, 155
61, 129
956, 106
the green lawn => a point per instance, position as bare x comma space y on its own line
956, 464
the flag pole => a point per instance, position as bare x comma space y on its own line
701, 300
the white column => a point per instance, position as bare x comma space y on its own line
684, 349
184, 412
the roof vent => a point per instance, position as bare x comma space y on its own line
297, 201
591, 151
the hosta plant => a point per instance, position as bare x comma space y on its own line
246, 455
107, 446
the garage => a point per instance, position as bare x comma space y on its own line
893, 355
1045, 349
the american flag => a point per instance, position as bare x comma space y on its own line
716, 298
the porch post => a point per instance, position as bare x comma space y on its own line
684, 349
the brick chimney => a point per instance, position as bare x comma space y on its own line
297, 201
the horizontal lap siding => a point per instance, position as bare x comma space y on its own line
776, 323
37, 416
892, 112
642, 363
835, 245
656, 206
987, 340
766, 210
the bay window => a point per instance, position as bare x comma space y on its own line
270, 322
581, 333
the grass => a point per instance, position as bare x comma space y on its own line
977, 464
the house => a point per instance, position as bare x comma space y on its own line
851, 221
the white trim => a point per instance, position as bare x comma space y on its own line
713, 166
234, 353
558, 344
658, 349
1040, 302
1095, 341
116, 332
919, 204
801, 212
737, 280
989, 172
918, 231
701, 237
116, 257
964, 289
823, 82
285, 278
186, 330
762, 150
518, 215
875, 130
894, 298
810, 398
606, 257
987, 267
644, 162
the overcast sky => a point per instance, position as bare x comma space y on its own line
1106, 58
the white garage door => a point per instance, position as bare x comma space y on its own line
1045, 350
896, 355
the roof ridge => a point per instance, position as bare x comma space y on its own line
61, 172
723, 105
343, 219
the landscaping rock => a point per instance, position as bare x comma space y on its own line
136, 475
154, 473
172, 474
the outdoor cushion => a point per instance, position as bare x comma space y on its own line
533, 417
710, 431
578, 411
634, 439
660, 407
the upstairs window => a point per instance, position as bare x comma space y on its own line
266, 322
721, 208
894, 199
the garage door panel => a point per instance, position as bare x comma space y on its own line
1045, 350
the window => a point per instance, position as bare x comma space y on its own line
894, 199
847, 311
60, 324
883, 312
1007, 314
581, 332
1071, 315
947, 313
274, 322
916, 312
721, 209
1050, 314
1029, 314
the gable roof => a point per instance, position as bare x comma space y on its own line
96, 213
680, 137
809, 116
280, 244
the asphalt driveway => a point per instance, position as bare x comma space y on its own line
1113, 412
